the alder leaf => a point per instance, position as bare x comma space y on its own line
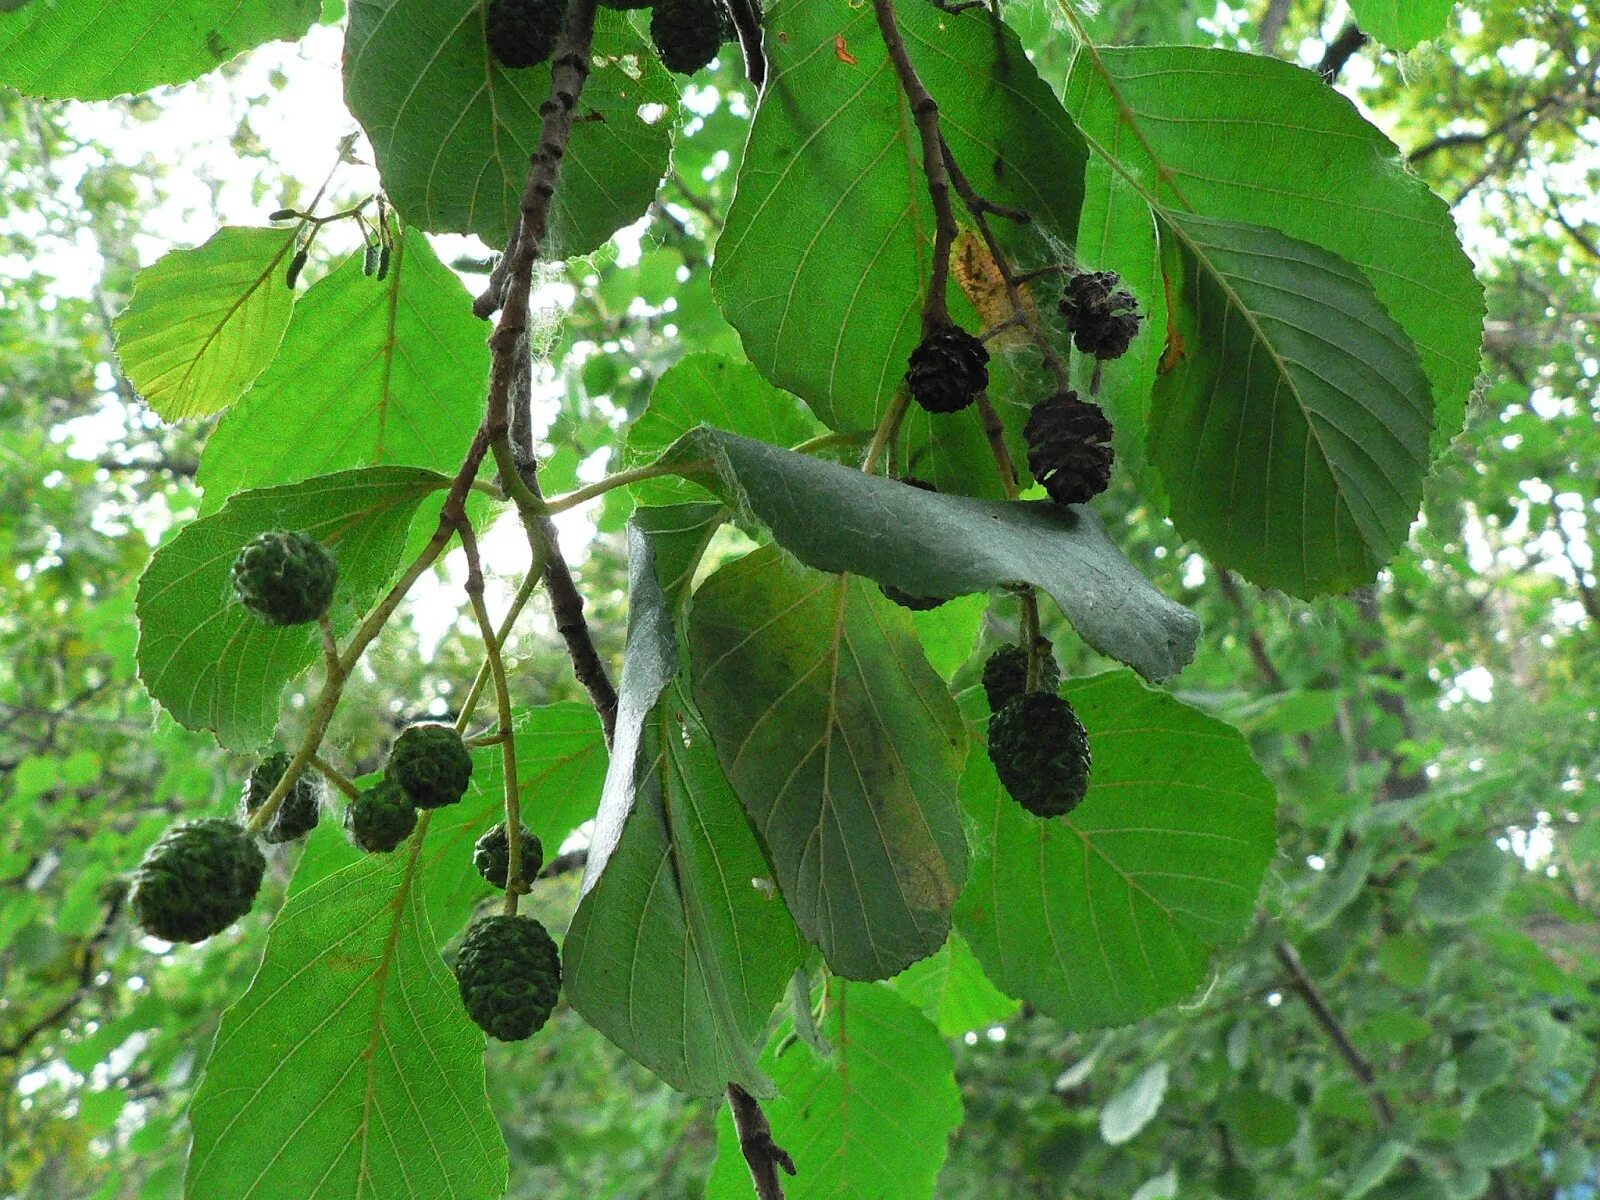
1402, 24
203, 323
368, 373
453, 130
845, 748
873, 1119
953, 992
349, 1069
93, 50
214, 666
837, 519
1111, 912
673, 953
1293, 435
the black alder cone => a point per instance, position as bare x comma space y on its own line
948, 369
198, 879
1005, 674
903, 598
688, 33
523, 33
1069, 447
1101, 314
492, 855
431, 763
509, 972
1040, 751
381, 817
284, 578
298, 813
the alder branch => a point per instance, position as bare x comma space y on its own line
1360, 1065
763, 1155
1340, 51
87, 969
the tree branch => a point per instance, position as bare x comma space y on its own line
761, 1153
1340, 51
1360, 1066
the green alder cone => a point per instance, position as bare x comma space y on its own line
432, 764
1040, 751
492, 855
284, 578
301, 807
380, 818
198, 879
509, 971
1005, 674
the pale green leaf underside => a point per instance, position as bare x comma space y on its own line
828, 244
674, 954
1243, 137
93, 50
871, 1121
203, 323
349, 1070
214, 666
1111, 912
844, 747
1293, 434
837, 519
1402, 24
369, 373
454, 131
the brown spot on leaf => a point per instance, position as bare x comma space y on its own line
975, 271
842, 53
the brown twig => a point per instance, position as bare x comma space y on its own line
1360, 1065
87, 969
763, 1155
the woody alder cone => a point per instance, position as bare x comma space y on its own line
284, 578
492, 855
297, 814
1005, 674
381, 817
432, 763
199, 878
1069, 447
947, 370
688, 33
523, 33
1040, 751
509, 972
1101, 314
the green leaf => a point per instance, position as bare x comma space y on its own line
873, 1119
1336, 889
1402, 24
1374, 1166
1135, 1106
203, 323
453, 130
1504, 1128
368, 373
1111, 912
1468, 883
952, 990
214, 666
825, 258
1293, 435
714, 390
1261, 1118
673, 953
91, 50
845, 748
349, 1069
1247, 138
1484, 1063
837, 519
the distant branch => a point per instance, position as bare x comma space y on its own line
1360, 1066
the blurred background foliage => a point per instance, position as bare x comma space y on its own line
1417, 1013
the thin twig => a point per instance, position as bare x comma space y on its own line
335, 776
1360, 1066
763, 1155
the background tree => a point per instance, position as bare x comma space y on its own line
1411, 1009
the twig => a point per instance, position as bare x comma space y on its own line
1340, 51
335, 776
763, 1155
86, 973
515, 884
1360, 1066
